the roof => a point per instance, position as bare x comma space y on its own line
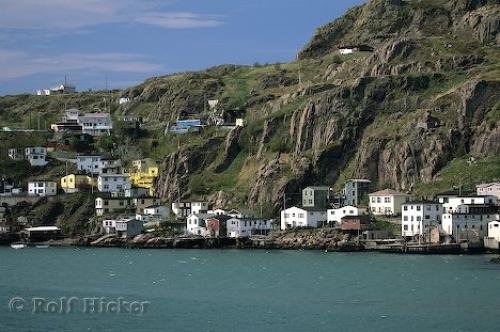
388, 192
421, 202
154, 206
312, 209
317, 187
43, 229
358, 180
362, 217
485, 185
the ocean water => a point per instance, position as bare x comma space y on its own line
230, 290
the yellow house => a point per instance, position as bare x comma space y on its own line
143, 174
74, 182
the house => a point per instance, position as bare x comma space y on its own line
196, 224
185, 126
110, 166
59, 89
217, 212
316, 197
356, 191
16, 154
108, 205
452, 203
302, 217
417, 217
350, 49
96, 124
36, 156
136, 192
355, 223
334, 216
489, 189
141, 203
75, 182
8, 226
492, 241
184, 209
8, 189
240, 122
154, 212
123, 100
124, 228
88, 164
387, 202
113, 182
469, 222
144, 174
42, 188
216, 226
246, 227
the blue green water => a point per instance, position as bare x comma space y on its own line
194, 290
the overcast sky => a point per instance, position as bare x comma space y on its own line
131, 40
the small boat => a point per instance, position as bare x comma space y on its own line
42, 246
18, 245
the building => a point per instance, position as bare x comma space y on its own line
8, 189
36, 156
246, 227
387, 202
136, 192
335, 215
417, 217
185, 126
316, 197
470, 223
196, 224
113, 183
42, 188
16, 154
75, 182
355, 223
88, 164
124, 228
123, 100
154, 213
356, 191
216, 226
302, 217
452, 204
350, 49
110, 205
141, 203
144, 173
43, 233
59, 89
218, 212
489, 189
95, 124
492, 241
110, 166
184, 209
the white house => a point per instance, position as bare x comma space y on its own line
16, 154
196, 225
113, 182
156, 212
36, 156
489, 189
184, 209
452, 204
88, 164
418, 216
245, 227
387, 202
335, 215
42, 188
217, 212
302, 217
124, 228
123, 100
492, 241
96, 124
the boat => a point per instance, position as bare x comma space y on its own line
42, 246
18, 245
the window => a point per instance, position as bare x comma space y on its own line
405, 207
419, 208
405, 218
387, 199
373, 199
419, 218
427, 217
405, 227
379, 200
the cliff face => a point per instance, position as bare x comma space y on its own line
426, 96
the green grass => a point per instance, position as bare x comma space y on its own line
461, 172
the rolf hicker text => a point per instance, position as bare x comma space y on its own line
84, 305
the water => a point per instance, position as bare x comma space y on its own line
194, 290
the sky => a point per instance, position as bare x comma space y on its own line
127, 41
